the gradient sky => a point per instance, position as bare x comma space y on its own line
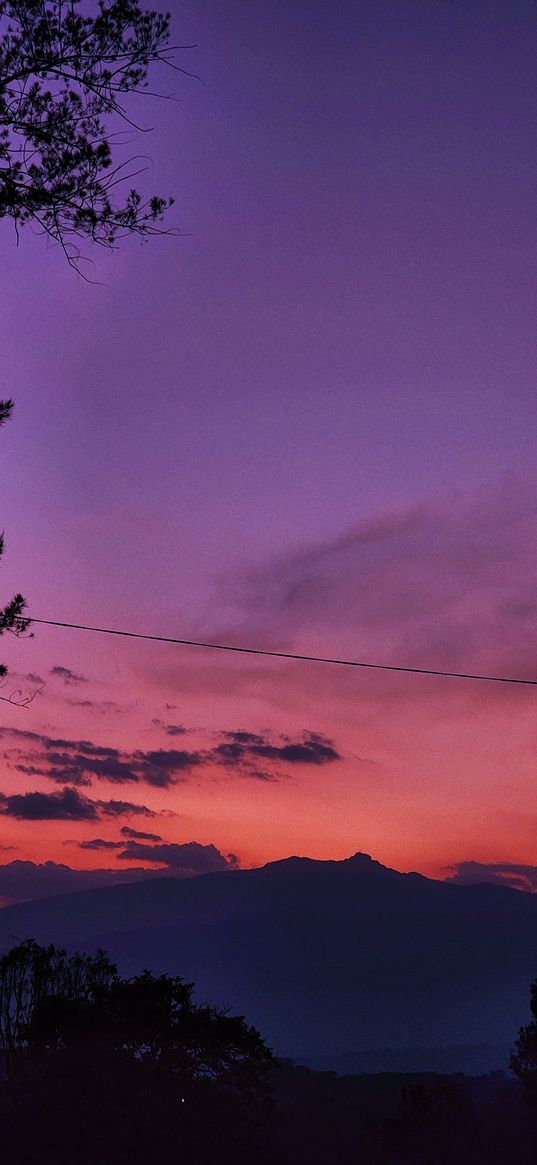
309, 424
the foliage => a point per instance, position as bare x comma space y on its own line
524, 1058
139, 1068
63, 79
32, 977
112, 1070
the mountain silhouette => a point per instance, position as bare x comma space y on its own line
341, 964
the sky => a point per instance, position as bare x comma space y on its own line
306, 424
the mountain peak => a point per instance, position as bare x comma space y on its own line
359, 865
366, 866
365, 860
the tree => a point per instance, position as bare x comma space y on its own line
130, 1068
524, 1057
11, 616
64, 76
31, 977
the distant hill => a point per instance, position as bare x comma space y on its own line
345, 965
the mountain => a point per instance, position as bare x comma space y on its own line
346, 965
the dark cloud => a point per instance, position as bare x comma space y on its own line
80, 762
138, 834
21, 734
161, 767
66, 805
99, 843
240, 749
518, 877
124, 809
68, 676
22, 881
242, 737
80, 769
34, 678
174, 730
35, 771
189, 858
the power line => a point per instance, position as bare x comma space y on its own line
419, 671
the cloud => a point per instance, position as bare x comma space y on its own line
99, 843
242, 750
66, 805
449, 583
21, 881
138, 834
33, 678
169, 729
188, 859
518, 877
161, 767
80, 762
125, 809
69, 677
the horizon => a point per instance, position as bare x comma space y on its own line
26, 881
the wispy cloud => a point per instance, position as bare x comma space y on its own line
169, 729
518, 877
245, 750
99, 843
69, 677
138, 834
81, 762
449, 583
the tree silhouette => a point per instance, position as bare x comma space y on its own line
63, 80
102, 1068
31, 977
524, 1057
11, 616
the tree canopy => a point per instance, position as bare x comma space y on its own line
524, 1058
130, 1068
64, 78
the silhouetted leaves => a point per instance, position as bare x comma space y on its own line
124, 1069
524, 1058
63, 79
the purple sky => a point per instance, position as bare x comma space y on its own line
311, 423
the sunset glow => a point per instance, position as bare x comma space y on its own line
309, 425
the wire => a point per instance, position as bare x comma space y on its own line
419, 671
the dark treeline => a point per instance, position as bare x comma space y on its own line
101, 1070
